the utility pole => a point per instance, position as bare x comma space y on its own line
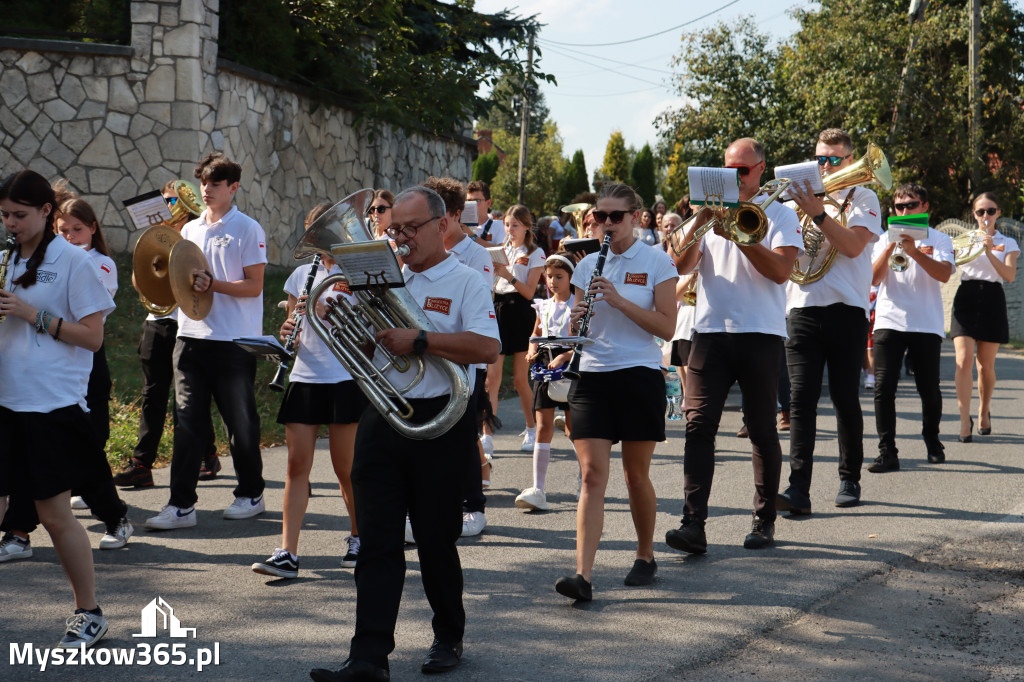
524, 127
916, 13
974, 96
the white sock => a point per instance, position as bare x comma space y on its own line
871, 378
531, 431
487, 442
541, 457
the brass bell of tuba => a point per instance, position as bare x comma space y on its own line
873, 167
576, 214
348, 330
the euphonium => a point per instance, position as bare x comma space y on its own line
4, 260
576, 214
745, 223
968, 241
349, 329
871, 168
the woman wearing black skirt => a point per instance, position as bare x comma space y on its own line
979, 321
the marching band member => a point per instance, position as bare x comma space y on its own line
207, 363
827, 326
979, 323
620, 395
393, 474
552, 320
489, 232
739, 329
320, 391
54, 305
379, 212
908, 319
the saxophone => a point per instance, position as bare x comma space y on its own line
4, 260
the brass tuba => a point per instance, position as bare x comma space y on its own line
871, 168
576, 214
349, 330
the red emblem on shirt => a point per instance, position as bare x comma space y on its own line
262, 245
104, 268
522, 260
638, 278
873, 213
440, 305
490, 314
342, 286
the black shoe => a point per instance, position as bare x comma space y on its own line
936, 453
137, 475
970, 434
743, 433
211, 466
984, 431
642, 573
884, 463
280, 565
352, 670
794, 501
442, 657
575, 587
762, 534
689, 537
849, 494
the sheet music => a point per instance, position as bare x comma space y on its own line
470, 216
914, 226
723, 183
800, 173
147, 209
266, 347
498, 254
368, 264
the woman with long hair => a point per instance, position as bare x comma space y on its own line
379, 212
54, 305
978, 322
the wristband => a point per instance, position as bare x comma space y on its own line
819, 219
513, 280
56, 334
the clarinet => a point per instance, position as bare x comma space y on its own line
4, 261
277, 383
574, 366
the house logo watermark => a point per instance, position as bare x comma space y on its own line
159, 616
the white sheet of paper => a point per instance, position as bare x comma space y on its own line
470, 216
367, 264
147, 209
800, 173
722, 183
498, 254
916, 232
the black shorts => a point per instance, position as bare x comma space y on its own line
340, 403
44, 452
541, 401
979, 311
480, 402
679, 356
621, 405
516, 318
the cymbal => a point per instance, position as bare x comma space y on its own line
186, 258
150, 261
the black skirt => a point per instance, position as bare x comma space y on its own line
340, 403
621, 405
45, 454
979, 311
516, 318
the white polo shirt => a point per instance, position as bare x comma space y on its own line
107, 270
454, 299
911, 301
314, 361
234, 242
849, 279
37, 373
520, 263
618, 342
496, 235
554, 315
733, 296
475, 257
685, 315
981, 268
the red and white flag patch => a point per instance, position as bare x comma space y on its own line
490, 314
438, 305
105, 269
638, 278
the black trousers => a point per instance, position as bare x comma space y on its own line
835, 337
923, 350
717, 361
393, 475
475, 500
207, 370
156, 352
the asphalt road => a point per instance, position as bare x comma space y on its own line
924, 580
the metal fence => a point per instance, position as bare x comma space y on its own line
106, 21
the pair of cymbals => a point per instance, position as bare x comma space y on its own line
164, 265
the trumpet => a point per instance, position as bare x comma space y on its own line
745, 223
898, 261
690, 295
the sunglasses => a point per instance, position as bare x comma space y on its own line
833, 160
171, 201
378, 209
907, 206
982, 211
744, 170
615, 216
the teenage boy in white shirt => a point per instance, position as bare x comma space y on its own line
207, 363
490, 232
740, 326
909, 319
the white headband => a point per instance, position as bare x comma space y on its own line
572, 268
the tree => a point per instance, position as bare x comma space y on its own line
616, 162
504, 112
643, 175
575, 178
545, 172
485, 166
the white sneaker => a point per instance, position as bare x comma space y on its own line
487, 443
117, 537
409, 539
171, 517
532, 499
869, 382
473, 523
83, 630
560, 423
12, 547
245, 508
529, 438
78, 503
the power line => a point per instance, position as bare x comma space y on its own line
603, 94
634, 40
606, 69
614, 61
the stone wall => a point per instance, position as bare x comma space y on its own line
119, 121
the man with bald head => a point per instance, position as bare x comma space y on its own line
739, 328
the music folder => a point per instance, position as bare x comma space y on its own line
266, 347
368, 265
584, 244
800, 173
147, 209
